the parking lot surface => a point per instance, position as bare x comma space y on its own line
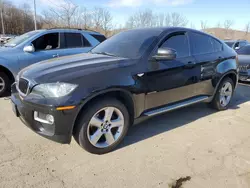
211, 148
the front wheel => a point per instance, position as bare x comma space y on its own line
223, 94
102, 126
4, 84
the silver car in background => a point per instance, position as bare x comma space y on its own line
39, 45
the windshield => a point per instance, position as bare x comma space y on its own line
128, 44
18, 40
230, 44
245, 50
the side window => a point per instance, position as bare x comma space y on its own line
201, 44
48, 41
75, 40
179, 43
237, 44
100, 38
242, 44
217, 45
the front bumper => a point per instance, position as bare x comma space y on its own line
244, 76
60, 131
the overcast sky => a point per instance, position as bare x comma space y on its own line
212, 11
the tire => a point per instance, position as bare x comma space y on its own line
85, 131
4, 84
217, 102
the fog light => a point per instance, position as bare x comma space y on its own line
44, 118
50, 118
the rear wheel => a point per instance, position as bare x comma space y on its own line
223, 95
103, 126
4, 84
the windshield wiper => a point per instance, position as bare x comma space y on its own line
104, 53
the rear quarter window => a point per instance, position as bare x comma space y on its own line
100, 38
75, 40
216, 45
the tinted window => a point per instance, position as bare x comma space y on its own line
201, 44
237, 44
217, 45
230, 44
242, 44
48, 41
178, 43
245, 50
129, 44
75, 40
100, 38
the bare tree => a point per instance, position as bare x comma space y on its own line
167, 20
97, 18
106, 21
218, 25
142, 19
148, 19
247, 28
192, 26
227, 25
203, 24
63, 12
178, 20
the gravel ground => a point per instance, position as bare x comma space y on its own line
196, 145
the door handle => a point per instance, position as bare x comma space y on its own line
190, 64
55, 55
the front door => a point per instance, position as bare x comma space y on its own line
170, 81
46, 47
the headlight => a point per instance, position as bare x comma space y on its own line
53, 90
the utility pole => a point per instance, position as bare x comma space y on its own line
35, 14
3, 31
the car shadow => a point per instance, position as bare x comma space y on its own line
149, 127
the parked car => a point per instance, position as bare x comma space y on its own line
143, 72
236, 44
244, 63
5, 39
39, 45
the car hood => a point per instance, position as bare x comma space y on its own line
244, 59
70, 67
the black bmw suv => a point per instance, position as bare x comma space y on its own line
143, 72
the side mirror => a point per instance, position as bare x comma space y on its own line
237, 48
165, 54
29, 48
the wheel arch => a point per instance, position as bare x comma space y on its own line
231, 74
118, 93
7, 72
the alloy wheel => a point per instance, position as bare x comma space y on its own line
226, 94
105, 127
2, 84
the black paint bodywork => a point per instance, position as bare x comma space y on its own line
142, 84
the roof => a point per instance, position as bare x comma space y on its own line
69, 29
172, 29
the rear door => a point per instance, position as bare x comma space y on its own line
207, 52
74, 43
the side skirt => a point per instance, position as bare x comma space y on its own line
175, 106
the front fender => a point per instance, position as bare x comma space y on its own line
10, 64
